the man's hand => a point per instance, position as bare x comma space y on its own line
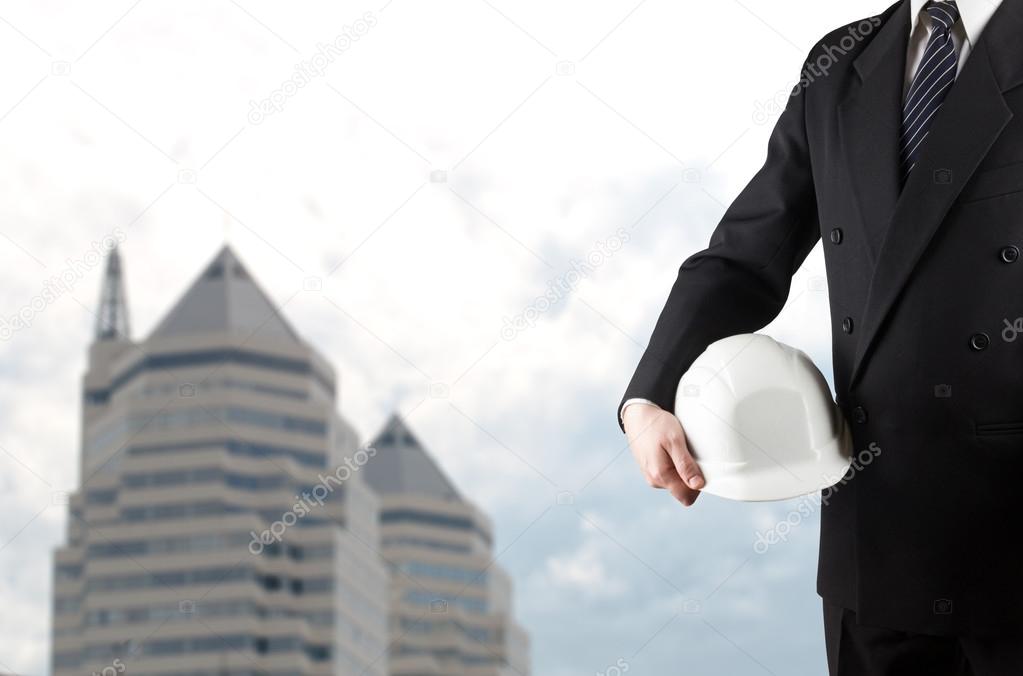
659, 446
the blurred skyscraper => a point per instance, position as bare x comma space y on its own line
221, 526
226, 525
451, 609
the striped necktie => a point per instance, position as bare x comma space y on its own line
931, 83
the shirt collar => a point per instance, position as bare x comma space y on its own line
974, 15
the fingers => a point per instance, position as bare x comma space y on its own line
687, 496
659, 446
662, 473
685, 465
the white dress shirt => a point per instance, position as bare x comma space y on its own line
973, 17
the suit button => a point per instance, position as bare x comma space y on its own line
1010, 254
836, 236
979, 341
859, 415
847, 325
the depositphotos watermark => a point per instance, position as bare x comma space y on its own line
560, 287
621, 666
309, 69
1012, 329
62, 283
309, 500
765, 111
810, 504
113, 669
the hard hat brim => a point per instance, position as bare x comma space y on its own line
783, 482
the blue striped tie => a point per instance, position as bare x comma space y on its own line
934, 77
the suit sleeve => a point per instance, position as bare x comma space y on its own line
741, 281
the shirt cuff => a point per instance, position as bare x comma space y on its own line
630, 402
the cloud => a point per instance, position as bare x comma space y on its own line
138, 121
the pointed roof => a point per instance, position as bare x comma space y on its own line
225, 298
403, 465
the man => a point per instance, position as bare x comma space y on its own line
902, 148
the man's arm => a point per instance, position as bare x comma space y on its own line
738, 284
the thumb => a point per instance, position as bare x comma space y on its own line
685, 465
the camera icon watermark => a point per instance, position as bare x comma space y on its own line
691, 607
565, 68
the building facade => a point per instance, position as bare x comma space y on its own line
221, 526
451, 612
229, 524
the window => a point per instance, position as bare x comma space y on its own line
165, 361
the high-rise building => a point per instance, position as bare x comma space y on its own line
229, 524
451, 609
222, 526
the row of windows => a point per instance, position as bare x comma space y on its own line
207, 386
444, 572
200, 475
250, 416
261, 645
236, 447
211, 542
169, 579
208, 576
67, 660
421, 597
227, 672
406, 541
66, 604
201, 416
449, 654
424, 626
186, 611
208, 357
105, 496
433, 519
195, 510
68, 571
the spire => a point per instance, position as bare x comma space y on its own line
112, 318
403, 465
225, 298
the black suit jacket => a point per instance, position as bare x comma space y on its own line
929, 536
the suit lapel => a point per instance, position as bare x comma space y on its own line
961, 134
870, 124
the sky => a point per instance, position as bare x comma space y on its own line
474, 209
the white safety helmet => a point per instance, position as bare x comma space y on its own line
760, 421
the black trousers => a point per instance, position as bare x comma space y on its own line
858, 650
